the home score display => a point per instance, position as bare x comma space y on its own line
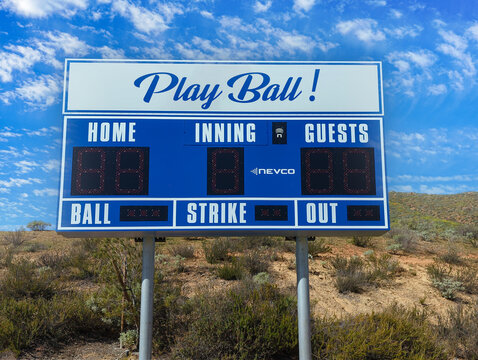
211, 148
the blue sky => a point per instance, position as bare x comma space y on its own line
429, 51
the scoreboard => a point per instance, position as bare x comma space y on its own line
222, 148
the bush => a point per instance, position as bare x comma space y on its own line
184, 250
443, 280
394, 334
231, 271
382, 267
459, 330
452, 256
254, 262
15, 238
38, 225
362, 241
403, 239
470, 233
27, 321
354, 274
25, 280
249, 321
318, 246
351, 274
254, 243
217, 250
468, 276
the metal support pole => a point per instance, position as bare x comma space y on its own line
303, 303
146, 320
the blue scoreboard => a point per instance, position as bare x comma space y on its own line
222, 148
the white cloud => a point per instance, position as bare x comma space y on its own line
291, 42
236, 23
455, 46
44, 8
17, 182
377, 2
402, 59
143, 20
260, 7
6, 133
414, 68
401, 188
403, 31
396, 13
363, 29
472, 32
438, 89
25, 166
42, 131
303, 5
51, 165
109, 53
38, 93
20, 58
444, 189
45, 192
207, 14
43, 49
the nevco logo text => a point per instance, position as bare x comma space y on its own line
257, 171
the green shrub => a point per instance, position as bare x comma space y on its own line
318, 246
25, 280
254, 262
382, 267
249, 321
351, 274
448, 287
354, 274
459, 330
254, 243
129, 339
27, 321
184, 250
451, 256
394, 334
216, 250
362, 241
444, 281
230, 271
403, 239
15, 238
470, 233
38, 225
468, 276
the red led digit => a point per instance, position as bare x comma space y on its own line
357, 165
129, 172
90, 171
225, 171
319, 171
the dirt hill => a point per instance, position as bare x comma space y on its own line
402, 267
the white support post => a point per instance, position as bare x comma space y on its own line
146, 320
303, 302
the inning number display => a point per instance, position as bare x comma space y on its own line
277, 168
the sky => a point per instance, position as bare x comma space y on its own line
429, 51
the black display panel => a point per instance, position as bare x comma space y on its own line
363, 212
338, 171
110, 171
271, 213
225, 171
144, 213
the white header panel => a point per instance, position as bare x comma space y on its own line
242, 88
